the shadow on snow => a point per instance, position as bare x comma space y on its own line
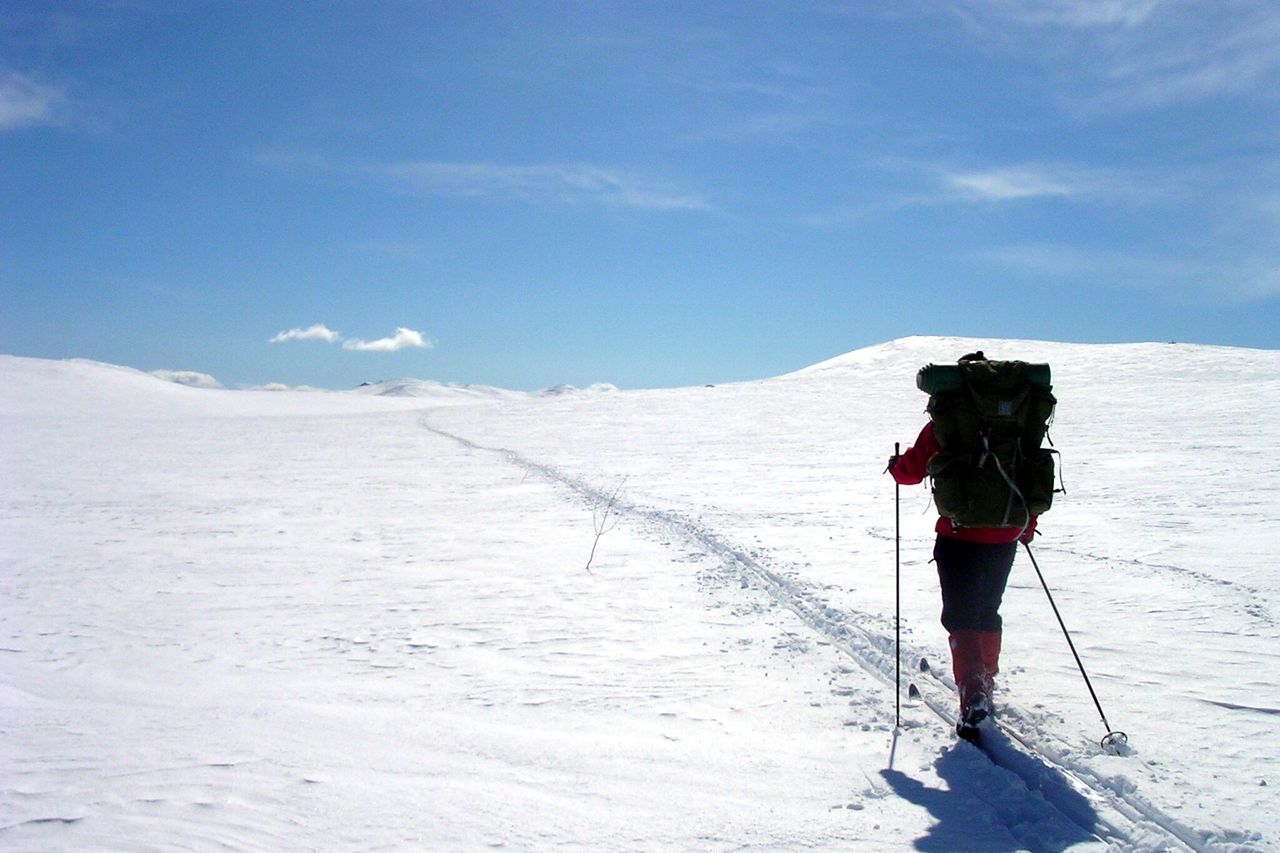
1021, 804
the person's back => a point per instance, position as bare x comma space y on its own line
982, 456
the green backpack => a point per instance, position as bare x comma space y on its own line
990, 418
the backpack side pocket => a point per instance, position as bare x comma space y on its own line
1038, 481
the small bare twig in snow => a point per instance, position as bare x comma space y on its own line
603, 519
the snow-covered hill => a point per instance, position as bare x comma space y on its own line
78, 388
363, 619
440, 393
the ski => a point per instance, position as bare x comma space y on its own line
969, 731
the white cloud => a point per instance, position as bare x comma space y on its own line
25, 102
187, 377
278, 386
932, 185
552, 184
1014, 183
318, 332
402, 339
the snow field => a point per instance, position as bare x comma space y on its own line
345, 632
1160, 555
290, 621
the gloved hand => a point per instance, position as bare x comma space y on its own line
1029, 533
893, 460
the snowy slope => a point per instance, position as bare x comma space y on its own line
439, 393
351, 620
78, 388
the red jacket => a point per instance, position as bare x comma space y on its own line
909, 469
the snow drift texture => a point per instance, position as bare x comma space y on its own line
363, 620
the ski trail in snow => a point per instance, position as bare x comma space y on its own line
1247, 595
1123, 817
1012, 748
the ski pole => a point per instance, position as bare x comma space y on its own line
1113, 739
897, 592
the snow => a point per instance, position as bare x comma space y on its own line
357, 620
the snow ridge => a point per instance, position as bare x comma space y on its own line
1110, 811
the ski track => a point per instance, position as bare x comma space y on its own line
1124, 818
1247, 594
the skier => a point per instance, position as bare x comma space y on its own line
973, 567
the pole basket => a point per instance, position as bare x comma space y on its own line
1115, 743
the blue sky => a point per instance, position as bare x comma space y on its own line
650, 194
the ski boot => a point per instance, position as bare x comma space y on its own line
977, 709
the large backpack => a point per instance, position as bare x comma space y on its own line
990, 419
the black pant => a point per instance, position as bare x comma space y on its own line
972, 576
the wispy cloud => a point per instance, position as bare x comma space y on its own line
547, 184
1193, 280
1122, 55
763, 126
26, 102
318, 332
1016, 183
947, 184
555, 184
1075, 14
1193, 58
402, 339
1082, 14
912, 184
